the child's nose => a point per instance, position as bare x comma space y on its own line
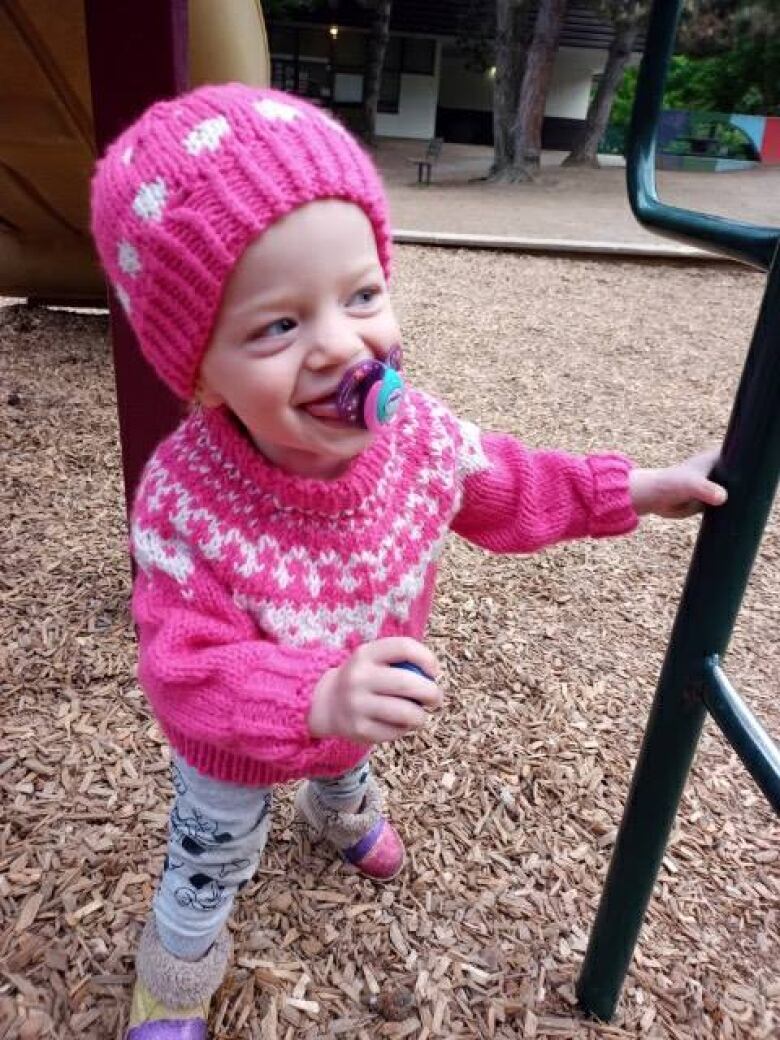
334, 342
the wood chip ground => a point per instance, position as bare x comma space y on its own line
508, 801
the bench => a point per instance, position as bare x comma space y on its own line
426, 164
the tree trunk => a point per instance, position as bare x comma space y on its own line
377, 46
585, 149
509, 64
536, 83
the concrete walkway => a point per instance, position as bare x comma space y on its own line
566, 210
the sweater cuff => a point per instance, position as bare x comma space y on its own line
287, 682
613, 512
286, 736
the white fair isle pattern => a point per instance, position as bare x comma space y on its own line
382, 581
123, 298
127, 155
276, 110
471, 457
301, 626
207, 135
263, 556
171, 556
149, 201
129, 260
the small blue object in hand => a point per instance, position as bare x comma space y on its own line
409, 667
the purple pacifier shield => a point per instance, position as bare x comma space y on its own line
352, 389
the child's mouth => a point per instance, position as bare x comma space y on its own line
327, 411
325, 408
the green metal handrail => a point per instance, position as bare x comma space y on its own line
692, 681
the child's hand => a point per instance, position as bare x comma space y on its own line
677, 491
368, 701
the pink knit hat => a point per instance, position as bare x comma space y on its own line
182, 192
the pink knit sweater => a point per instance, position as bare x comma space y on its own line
253, 582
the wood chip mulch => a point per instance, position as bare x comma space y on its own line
508, 801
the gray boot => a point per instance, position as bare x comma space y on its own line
365, 838
171, 996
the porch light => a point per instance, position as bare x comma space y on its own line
492, 72
334, 31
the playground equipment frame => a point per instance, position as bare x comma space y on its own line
692, 681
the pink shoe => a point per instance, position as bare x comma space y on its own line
366, 839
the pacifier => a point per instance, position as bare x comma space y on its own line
370, 393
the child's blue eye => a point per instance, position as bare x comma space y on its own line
276, 328
365, 297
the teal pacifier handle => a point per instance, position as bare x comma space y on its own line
383, 400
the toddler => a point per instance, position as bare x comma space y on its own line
286, 545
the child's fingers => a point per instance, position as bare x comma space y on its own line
397, 712
382, 733
406, 685
712, 494
684, 509
394, 649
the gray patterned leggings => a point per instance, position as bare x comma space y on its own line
217, 833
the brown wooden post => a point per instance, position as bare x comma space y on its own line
137, 54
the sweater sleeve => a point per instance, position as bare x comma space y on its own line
516, 500
211, 678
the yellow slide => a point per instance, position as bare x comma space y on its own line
47, 144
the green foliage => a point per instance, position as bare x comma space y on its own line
614, 140
744, 79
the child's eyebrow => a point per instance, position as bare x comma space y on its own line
371, 267
282, 299
270, 301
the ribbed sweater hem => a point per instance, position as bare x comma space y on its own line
235, 768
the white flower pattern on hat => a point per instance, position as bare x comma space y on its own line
123, 298
127, 155
207, 135
273, 110
129, 260
149, 201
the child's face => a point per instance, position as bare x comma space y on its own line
305, 302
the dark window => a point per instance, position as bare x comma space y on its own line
389, 91
300, 62
313, 80
283, 75
393, 53
350, 51
305, 71
419, 56
314, 43
281, 39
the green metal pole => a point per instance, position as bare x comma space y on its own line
722, 560
720, 568
756, 749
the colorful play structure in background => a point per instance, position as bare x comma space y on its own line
717, 141
709, 142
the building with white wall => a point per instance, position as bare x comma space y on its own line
428, 86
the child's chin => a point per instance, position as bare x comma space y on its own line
348, 443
